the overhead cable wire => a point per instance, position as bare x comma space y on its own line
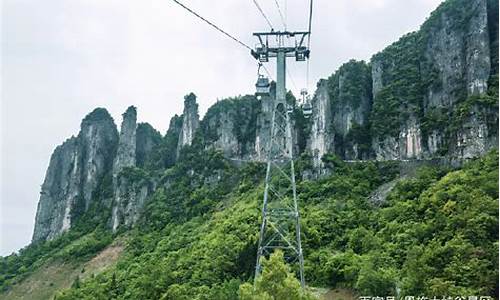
263, 14
220, 30
286, 12
267, 71
309, 40
213, 25
281, 14
291, 79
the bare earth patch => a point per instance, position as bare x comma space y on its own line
335, 294
55, 275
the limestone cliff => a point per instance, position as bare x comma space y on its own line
125, 155
422, 83
147, 140
432, 94
230, 125
132, 185
190, 122
321, 137
125, 158
74, 173
341, 108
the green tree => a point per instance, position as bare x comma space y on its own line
275, 283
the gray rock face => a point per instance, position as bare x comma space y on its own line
449, 60
458, 48
230, 125
74, 171
125, 157
190, 121
474, 137
98, 139
130, 194
351, 92
321, 137
341, 107
59, 191
263, 134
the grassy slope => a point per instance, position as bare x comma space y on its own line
57, 274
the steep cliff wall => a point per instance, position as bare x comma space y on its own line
125, 158
230, 125
125, 155
433, 93
190, 122
147, 141
74, 173
427, 84
131, 184
351, 95
321, 137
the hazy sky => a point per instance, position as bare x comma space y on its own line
62, 58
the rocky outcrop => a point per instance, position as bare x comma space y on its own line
341, 108
263, 130
230, 125
321, 136
125, 155
75, 170
190, 122
351, 93
147, 140
59, 191
133, 186
424, 83
125, 158
475, 137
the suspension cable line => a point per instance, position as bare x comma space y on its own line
291, 79
263, 14
281, 14
309, 41
267, 72
220, 30
213, 25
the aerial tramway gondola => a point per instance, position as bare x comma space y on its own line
263, 86
306, 103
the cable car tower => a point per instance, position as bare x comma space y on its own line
280, 228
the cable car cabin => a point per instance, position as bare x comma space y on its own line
289, 109
262, 87
301, 53
307, 109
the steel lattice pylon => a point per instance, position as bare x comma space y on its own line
280, 228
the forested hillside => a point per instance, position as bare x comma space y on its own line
435, 234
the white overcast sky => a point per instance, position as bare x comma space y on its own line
62, 58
